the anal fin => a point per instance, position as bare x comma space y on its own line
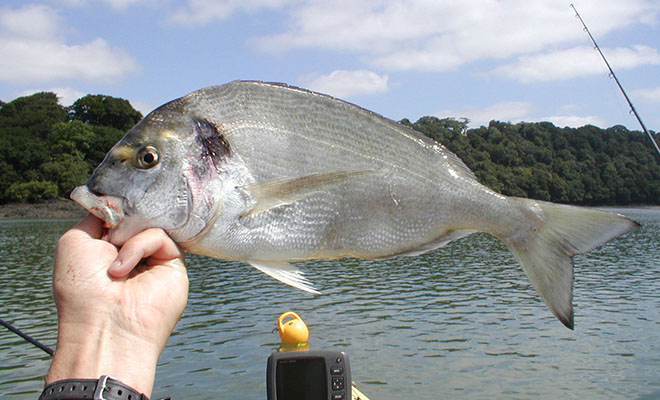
285, 273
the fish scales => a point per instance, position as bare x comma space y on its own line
323, 125
364, 241
270, 174
313, 152
328, 141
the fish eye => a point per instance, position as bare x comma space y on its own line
147, 157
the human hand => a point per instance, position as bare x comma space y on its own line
116, 307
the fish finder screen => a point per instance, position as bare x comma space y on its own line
301, 379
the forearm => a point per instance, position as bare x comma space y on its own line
89, 351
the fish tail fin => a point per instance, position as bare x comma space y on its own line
547, 257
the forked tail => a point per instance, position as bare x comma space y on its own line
547, 258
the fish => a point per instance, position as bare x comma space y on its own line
271, 174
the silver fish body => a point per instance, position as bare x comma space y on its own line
269, 174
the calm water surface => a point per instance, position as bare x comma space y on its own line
462, 322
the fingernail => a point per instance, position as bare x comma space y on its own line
115, 264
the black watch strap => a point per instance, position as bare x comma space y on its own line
104, 388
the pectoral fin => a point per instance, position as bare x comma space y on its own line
280, 192
286, 273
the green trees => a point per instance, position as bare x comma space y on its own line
31, 192
46, 149
105, 111
587, 165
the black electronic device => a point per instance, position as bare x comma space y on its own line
308, 375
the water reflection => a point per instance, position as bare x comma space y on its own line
459, 323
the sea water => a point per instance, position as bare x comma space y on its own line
462, 322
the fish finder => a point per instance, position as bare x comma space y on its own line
308, 375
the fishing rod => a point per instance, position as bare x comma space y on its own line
613, 75
27, 337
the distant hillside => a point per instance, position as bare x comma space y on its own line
587, 165
46, 149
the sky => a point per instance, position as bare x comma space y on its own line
508, 60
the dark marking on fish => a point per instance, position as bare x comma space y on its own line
215, 147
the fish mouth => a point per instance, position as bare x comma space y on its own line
105, 207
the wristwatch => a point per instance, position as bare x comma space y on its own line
104, 388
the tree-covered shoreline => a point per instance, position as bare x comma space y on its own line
47, 149
585, 166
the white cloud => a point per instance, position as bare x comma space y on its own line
575, 62
116, 4
441, 35
66, 95
29, 22
513, 111
518, 111
650, 94
345, 84
31, 50
575, 121
433, 35
122, 4
200, 12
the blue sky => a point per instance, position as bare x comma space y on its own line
510, 60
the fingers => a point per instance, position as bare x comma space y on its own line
152, 243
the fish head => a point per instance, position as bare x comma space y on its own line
154, 174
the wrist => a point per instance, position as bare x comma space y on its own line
104, 387
86, 351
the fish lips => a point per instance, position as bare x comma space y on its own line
119, 226
105, 207
110, 209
